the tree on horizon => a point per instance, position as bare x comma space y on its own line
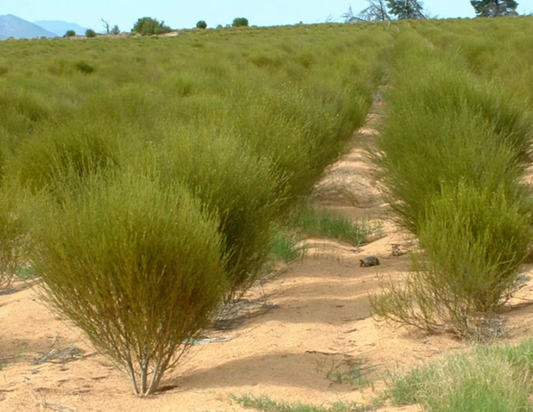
382, 10
106, 25
148, 26
376, 11
406, 9
240, 22
495, 8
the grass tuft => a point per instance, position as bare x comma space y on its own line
488, 379
284, 247
266, 404
313, 222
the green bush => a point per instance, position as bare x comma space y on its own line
89, 33
137, 266
201, 25
443, 126
445, 88
244, 197
23, 110
452, 155
60, 156
420, 152
473, 241
70, 33
14, 230
84, 67
303, 135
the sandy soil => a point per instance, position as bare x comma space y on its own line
301, 347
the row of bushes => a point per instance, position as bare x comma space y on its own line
453, 151
155, 182
496, 50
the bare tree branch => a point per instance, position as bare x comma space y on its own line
106, 25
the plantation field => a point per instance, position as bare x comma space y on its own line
316, 345
147, 182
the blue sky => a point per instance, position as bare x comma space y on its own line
185, 14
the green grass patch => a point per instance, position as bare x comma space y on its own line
488, 379
313, 222
26, 273
13, 358
348, 372
285, 242
284, 247
266, 404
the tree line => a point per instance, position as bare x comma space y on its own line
148, 26
386, 10
377, 10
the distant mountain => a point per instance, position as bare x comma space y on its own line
13, 26
60, 27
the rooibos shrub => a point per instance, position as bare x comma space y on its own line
443, 126
61, 155
452, 156
14, 226
136, 266
473, 241
84, 67
234, 184
421, 152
